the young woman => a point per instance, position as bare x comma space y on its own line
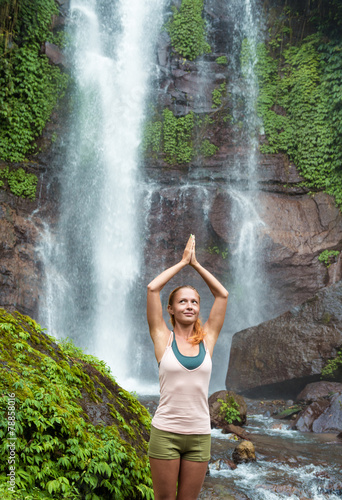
179, 447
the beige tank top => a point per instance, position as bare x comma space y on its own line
183, 406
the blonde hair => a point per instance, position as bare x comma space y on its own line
198, 332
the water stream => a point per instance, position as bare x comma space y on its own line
250, 281
289, 464
93, 261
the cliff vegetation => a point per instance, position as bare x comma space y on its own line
77, 433
30, 86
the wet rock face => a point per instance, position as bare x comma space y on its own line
22, 225
20, 272
284, 353
297, 227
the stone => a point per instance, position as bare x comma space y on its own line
54, 53
223, 464
317, 390
307, 417
237, 431
217, 419
244, 453
282, 355
324, 415
331, 419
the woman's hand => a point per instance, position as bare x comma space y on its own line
188, 250
193, 260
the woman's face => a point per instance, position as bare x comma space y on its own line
185, 306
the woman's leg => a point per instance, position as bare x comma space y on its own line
191, 477
164, 477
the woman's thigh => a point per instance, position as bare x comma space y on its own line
190, 480
164, 476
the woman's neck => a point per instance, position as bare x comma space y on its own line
184, 331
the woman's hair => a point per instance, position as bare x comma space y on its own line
198, 332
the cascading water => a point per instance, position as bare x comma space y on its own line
250, 284
92, 261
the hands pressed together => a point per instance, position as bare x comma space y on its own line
189, 254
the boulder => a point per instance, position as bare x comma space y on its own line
318, 390
217, 419
279, 357
244, 453
331, 419
324, 415
308, 416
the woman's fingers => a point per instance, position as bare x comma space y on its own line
193, 259
188, 249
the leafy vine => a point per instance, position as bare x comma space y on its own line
187, 30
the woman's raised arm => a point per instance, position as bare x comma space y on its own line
217, 314
158, 328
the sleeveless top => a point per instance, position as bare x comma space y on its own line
190, 362
183, 406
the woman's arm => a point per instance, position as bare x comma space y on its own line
158, 329
218, 311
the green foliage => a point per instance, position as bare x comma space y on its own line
222, 60
207, 148
328, 257
19, 182
333, 368
218, 251
29, 85
177, 137
217, 95
299, 102
152, 137
60, 451
187, 30
229, 409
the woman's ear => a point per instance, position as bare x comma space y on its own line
169, 309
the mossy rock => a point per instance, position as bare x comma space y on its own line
78, 433
289, 412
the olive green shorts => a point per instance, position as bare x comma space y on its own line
169, 446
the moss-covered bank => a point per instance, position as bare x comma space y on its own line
77, 433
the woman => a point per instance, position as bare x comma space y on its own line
179, 447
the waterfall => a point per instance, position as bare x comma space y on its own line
249, 280
92, 258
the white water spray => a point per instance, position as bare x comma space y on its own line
96, 252
250, 287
